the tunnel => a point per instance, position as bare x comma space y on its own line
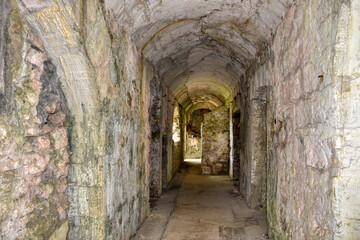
193, 119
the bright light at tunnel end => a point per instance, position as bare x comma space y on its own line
192, 160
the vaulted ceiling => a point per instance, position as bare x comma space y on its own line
199, 47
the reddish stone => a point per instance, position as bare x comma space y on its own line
7, 148
62, 168
62, 185
34, 181
27, 147
8, 164
35, 163
35, 75
35, 57
43, 144
30, 131
60, 138
57, 118
36, 86
218, 167
46, 129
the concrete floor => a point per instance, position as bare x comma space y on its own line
202, 208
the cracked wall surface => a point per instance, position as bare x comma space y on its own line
80, 102
34, 154
88, 90
346, 143
305, 186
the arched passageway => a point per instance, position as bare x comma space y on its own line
97, 99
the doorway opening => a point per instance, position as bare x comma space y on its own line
207, 140
193, 140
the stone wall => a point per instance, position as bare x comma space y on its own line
4, 23
242, 109
345, 172
34, 154
156, 139
193, 146
215, 144
165, 154
75, 149
127, 144
254, 184
193, 133
236, 116
172, 151
176, 144
303, 116
167, 110
80, 96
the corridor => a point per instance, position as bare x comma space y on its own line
202, 208
101, 102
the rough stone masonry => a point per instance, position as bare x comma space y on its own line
88, 91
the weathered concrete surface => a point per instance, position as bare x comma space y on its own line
167, 115
215, 142
54, 25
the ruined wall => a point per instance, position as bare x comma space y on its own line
215, 144
301, 149
81, 94
33, 144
